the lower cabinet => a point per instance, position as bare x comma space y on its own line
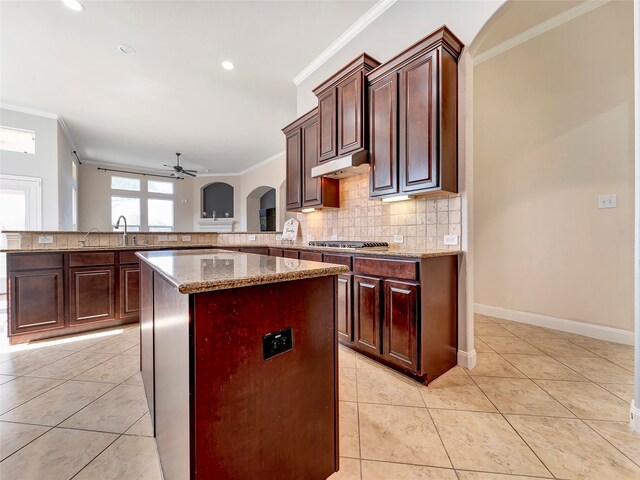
400, 332
91, 294
345, 316
367, 313
129, 293
36, 300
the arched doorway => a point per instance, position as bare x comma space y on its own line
261, 210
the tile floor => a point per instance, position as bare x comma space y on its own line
541, 404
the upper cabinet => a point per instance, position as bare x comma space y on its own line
302, 144
413, 108
342, 100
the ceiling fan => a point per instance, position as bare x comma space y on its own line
177, 169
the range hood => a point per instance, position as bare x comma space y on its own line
347, 166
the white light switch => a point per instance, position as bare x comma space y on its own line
398, 239
607, 201
186, 238
45, 239
451, 239
252, 238
173, 238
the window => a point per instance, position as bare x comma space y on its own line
130, 208
125, 183
160, 213
155, 186
16, 140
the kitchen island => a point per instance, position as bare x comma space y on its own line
239, 363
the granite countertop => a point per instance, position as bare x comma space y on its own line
78, 248
214, 269
375, 252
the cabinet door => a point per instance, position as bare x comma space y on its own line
36, 300
91, 295
418, 124
350, 134
327, 108
400, 342
311, 187
129, 291
345, 316
294, 178
383, 131
366, 310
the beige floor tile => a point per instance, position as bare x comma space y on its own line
398, 471
598, 369
529, 331
457, 392
603, 347
126, 458
23, 389
346, 357
115, 411
31, 361
115, 345
349, 470
382, 385
501, 321
509, 345
559, 347
133, 351
14, 436
114, 370
542, 367
57, 404
362, 361
491, 330
464, 475
71, 366
587, 400
480, 346
521, 395
348, 427
620, 390
493, 365
57, 455
135, 379
485, 442
8, 355
142, 427
624, 362
571, 450
400, 434
480, 320
6, 378
620, 436
347, 390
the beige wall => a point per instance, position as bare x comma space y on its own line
553, 129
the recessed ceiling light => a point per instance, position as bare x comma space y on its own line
126, 49
74, 5
227, 65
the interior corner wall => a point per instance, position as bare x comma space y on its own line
553, 129
65, 181
268, 174
43, 164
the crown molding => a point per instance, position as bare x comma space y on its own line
539, 29
63, 125
350, 33
29, 111
262, 163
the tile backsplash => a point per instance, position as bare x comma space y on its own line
422, 221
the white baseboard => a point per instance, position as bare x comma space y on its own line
580, 328
467, 359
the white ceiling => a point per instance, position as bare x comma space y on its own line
172, 95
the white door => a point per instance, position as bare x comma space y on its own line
20, 209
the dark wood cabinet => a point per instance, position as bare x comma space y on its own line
413, 119
91, 294
275, 252
36, 300
342, 110
255, 250
129, 293
400, 338
345, 311
367, 313
303, 190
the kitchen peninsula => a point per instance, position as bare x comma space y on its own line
239, 362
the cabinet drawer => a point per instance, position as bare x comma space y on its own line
35, 261
128, 257
404, 269
256, 250
290, 253
313, 256
91, 258
338, 259
275, 252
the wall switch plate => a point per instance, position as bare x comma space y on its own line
334, 238
451, 239
607, 201
252, 238
398, 239
45, 239
162, 238
186, 238
173, 238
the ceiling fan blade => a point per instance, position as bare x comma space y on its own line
187, 172
168, 166
192, 171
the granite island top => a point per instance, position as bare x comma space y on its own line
214, 269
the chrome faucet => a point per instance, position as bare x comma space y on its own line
83, 242
125, 240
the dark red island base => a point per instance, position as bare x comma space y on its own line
241, 380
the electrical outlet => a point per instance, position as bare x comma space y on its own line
451, 239
252, 238
607, 201
173, 238
278, 237
398, 239
334, 237
45, 239
162, 238
186, 238
309, 238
